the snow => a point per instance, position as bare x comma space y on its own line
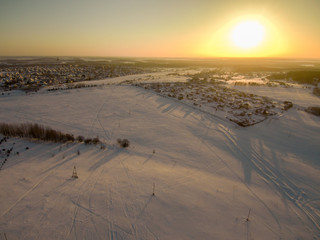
242, 79
208, 172
160, 76
298, 95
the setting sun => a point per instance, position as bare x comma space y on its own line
247, 34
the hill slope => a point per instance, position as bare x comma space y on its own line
208, 173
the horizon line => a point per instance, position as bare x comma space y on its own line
144, 57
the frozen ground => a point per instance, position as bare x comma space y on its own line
297, 94
208, 172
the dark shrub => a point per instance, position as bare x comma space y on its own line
69, 137
123, 143
88, 141
80, 138
313, 110
287, 105
316, 91
95, 140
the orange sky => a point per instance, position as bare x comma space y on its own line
150, 28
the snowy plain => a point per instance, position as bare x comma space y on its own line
208, 172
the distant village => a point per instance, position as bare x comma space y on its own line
32, 78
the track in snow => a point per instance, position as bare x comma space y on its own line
273, 176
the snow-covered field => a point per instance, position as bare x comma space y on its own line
208, 172
297, 94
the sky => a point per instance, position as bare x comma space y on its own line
157, 28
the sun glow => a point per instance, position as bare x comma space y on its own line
244, 36
247, 34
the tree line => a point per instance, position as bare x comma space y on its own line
40, 132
